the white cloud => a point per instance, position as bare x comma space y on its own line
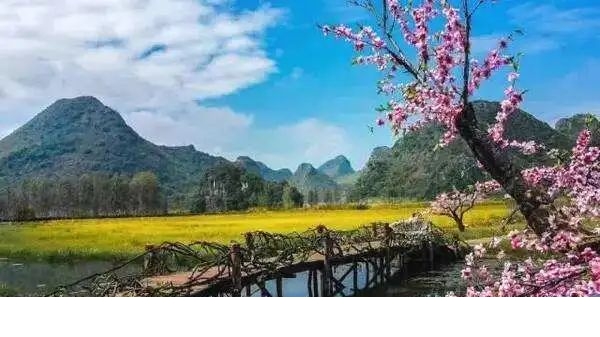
152, 60
149, 59
548, 18
209, 129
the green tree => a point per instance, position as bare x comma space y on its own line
292, 197
145, 193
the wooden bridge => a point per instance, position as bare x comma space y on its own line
327, 260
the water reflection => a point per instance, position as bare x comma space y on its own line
39, 278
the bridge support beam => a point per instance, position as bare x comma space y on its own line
236, 270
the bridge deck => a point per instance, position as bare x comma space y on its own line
212, 277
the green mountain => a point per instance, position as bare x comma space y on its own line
571, 127
416, 168
337, 167
81, 135
307, 178
263, 170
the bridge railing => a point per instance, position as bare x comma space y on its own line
203, 264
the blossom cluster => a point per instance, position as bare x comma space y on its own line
579, 179
563, 268
433, 96
455, 203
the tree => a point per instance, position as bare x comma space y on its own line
312, 197
292, 197
456, 204
224, 188
145, 190
438, 86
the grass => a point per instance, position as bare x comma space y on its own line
116, 238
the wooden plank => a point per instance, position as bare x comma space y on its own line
279, 286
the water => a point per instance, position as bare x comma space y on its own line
436, 282
39, 278
416, 281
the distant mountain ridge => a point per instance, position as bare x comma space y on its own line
263, 170
337, 167
307, 178
81, 135
415, 168
571, 127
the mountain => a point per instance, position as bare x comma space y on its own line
416, 168
263, 170
307, 178
336, 167
81, 135
571, 127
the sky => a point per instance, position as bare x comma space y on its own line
258, 78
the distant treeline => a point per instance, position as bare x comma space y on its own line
222, 188
230, 188
91, 195
326, 196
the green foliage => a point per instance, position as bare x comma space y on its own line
230, 188
417, 168
571, 127
79, 136
91, 195
292, 197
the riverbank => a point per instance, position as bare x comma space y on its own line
113, 239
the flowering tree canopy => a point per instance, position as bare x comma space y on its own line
456, 203
440, 78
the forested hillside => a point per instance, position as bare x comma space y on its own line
417, 168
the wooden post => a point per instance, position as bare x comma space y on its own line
387, 241
250, 245
279, 286
431, 254
355, 277
309, 284
327, 272
367, 275
315, 283
326, 288
382, 270
248, 290
374, 228
236, 270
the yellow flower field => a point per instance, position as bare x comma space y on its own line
121, 237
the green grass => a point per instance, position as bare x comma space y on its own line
117, 238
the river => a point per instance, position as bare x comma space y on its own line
39, 278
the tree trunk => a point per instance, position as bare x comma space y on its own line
497, 163
461, 225
459, 222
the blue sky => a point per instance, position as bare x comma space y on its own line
560, 66
251, 77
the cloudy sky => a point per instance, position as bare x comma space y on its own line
257, 78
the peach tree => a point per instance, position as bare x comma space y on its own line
423, 50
